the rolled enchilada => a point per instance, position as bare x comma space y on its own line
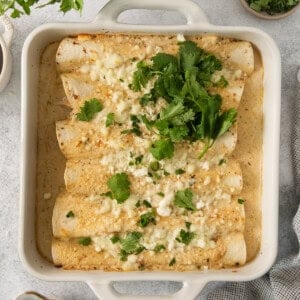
184, 211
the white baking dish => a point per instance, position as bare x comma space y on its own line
197, 23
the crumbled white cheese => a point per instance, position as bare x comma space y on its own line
190, 169
204, 165
130, 264
200, 204
140, 172
164, 211
113, 60
201, 243
180, 37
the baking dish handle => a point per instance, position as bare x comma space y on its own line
8, 30
189, 291
193, 13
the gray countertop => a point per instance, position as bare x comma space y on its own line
13, 278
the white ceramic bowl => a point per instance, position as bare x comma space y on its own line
106, 21
5, 56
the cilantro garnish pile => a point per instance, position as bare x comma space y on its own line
192, 112
272, 6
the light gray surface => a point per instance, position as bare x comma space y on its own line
13, 278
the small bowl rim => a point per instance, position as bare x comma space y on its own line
265, 15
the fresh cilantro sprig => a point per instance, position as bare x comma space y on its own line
119, 185
192, 112
89, 109
272, 6
21, 7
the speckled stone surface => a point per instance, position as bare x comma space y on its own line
13, 278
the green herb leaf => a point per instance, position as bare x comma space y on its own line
20, 7
172, 262
89, 109
85, 241
147, 203
179, 171
222, 82
184, 198
135, 126
130, 245
146, 219
70, 214
222, 161
115, 239
119, 185
188, 225
241, 201
141, 76
110, 119
162, 149
185, 237
158, 248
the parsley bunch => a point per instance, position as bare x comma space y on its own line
21, 7
192, 113
272, 6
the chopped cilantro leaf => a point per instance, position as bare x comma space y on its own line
130, 245
135, 126
141, 76
138, 204
147, 203
188, 225
184, 198
85, 241
146, 219
185, 237
162, 149
110, 119
119, 185
138, 159
158, 248
154, 165
172, 262
241, 201
161, 194
89, 109
179, 171
70, 214
222, 161
115, 239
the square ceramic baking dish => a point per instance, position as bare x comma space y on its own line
106, 21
